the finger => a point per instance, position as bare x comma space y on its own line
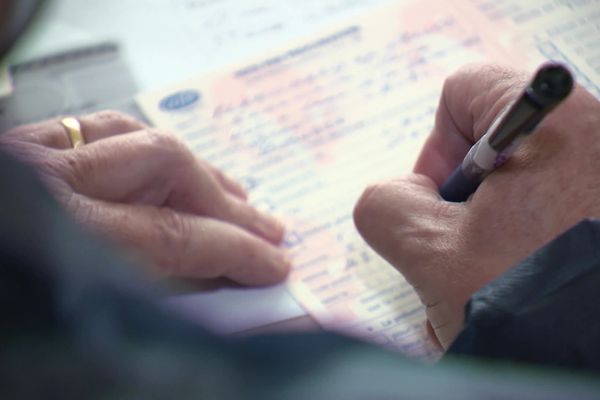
104, 124
185, 245
470, 101
155, 168
51, 133
228, 183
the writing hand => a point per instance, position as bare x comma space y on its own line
449, 250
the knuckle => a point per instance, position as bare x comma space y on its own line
165, 141
24, 134
169, 148
14, 132
77, 169
48, 164
459, 80
463, 72
488, 73
80, 208
118, 119
366, 207
110, 115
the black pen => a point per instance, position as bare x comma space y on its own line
550, 85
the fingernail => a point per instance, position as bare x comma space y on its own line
282, 263
272, 228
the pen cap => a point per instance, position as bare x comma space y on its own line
551, 84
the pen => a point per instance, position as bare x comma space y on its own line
551, 84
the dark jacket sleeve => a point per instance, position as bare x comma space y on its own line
546, 310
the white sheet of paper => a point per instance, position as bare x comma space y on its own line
167, 40
563, 30
223, 310
576, 41
307, 127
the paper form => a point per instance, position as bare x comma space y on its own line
522, 13
307, 127
248, 25
577, 42
564, 30
166, 40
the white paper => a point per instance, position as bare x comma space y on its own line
308, 126
562, 30
167, 40
223, 310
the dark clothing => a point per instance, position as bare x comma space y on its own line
79, 322
546, 310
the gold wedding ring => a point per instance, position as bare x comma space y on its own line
73, 128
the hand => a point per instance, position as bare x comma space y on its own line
447, 251
144, 189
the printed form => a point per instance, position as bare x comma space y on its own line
564, 30
193, 36
574, 40
308, 127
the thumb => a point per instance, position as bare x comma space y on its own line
401, 217
407, 223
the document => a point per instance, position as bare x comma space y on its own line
308, 126
563, 30
248, 25
576, 41
523, 13
164, 41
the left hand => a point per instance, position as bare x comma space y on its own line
143, 188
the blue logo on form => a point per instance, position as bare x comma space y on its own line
179, 100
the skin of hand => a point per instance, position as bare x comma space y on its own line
143, 189
447, 251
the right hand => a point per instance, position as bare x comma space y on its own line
447, 251
143, 188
